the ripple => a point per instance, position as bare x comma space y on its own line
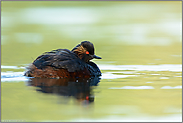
164, 78
163, 67
169, 87
15, 79
109, 75
133, 87
155, 74
177, 76
12, 76
11, 67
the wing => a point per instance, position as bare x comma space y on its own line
60, 58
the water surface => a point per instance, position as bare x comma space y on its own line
141, 48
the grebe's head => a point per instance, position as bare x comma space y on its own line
85, 51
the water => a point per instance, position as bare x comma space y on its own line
141, 61
126, 92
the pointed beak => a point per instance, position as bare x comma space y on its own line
96, 57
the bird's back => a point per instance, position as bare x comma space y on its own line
61, 63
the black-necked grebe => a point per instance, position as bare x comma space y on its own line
63, 63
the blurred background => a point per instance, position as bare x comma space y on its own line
140, 43
134, 32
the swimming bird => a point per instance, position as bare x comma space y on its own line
63, 63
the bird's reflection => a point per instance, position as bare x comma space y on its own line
80, 89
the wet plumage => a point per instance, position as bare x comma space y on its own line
63, 63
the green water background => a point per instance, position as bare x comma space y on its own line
123, 33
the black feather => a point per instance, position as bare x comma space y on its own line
66, 59
60, 58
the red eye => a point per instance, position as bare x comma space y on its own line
87, 97
87, 52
